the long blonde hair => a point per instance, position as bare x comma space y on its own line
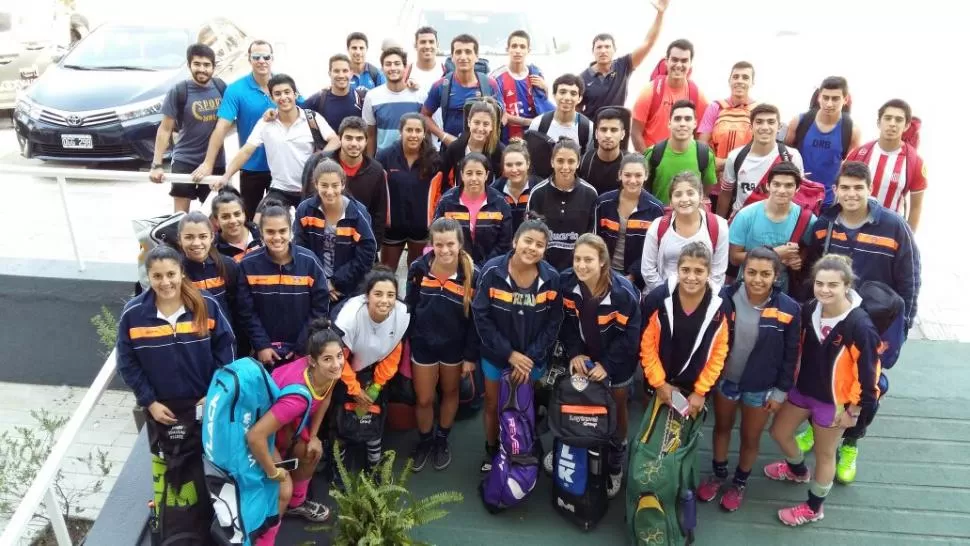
450, 225
599, 245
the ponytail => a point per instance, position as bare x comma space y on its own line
321, 334
195, 303
468, 270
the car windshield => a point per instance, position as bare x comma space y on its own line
120, 48
492, 29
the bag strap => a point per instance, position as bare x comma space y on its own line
318, 142
656, 156
703, 157
735, 168
713, 229
804, 124
586, 165
585, 127
658, 86
296, 389
374, 73
665, 222
804, 217
545, 121
828, 238
181, 98
846, 134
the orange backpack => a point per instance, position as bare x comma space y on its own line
732, 129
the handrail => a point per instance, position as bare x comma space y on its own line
40, 489
62, 174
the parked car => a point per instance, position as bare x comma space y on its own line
102, 101
32, 36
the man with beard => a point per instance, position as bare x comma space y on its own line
385, 104
601, 167
190, 108
337, 102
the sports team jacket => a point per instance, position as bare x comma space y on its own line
532, 332
518, 206
233, 252
774, 358
356, 248
205, 276
844, 369
409, 200
278, 302
618, 317
606, 217
162, 363
493, 228
369, 186
702, 370
438, 323
881, 250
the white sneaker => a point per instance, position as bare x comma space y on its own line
547, 463
613, 488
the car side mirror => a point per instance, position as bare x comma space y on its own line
560, 45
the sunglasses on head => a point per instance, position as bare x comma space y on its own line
257, 57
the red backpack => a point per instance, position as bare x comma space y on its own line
911, 136
661, 70
713, 229
809, 195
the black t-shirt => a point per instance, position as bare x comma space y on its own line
606, 89
568, 214
686, 329
335, 108
601, 175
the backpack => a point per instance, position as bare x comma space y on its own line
245, 502
659, 85
151, 232
710, 219
582, 413
657, 155
515, 466
806, 120
481, 66
585, 129
540, 147
809, 194
471, 394
481, 73
911, 135
359, 429
908, 151
182, 97
661, 506
733, 124
373, 72
360, 93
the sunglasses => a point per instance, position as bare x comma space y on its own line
256, 58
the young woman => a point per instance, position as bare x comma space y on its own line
685, 342
373, 326
337, 229
518, 311
412, 167
516, 183
282, 288
602, 325
444, 342
759, 370
482, 135
485, 217
837, 380
319, 371
205, 267
622, 218
565, 202
235, 235
688, 223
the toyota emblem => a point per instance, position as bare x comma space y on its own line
74, 120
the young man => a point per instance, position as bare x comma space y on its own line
338, 101
681, 152
523, 88
898, 171
385, 104
288, 140
601, 167
244, 103
776, 222
824, 135
451, 93
426, 70
726, 124
567, 91
194, 118
881, 246
747, 166
655, 102
606, 78
363, 73
366, 180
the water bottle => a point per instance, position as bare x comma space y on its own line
372, 390
688, 512
595, 462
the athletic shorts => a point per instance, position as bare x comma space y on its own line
289, 199
191, 191
448, 364
397, 237
494, 373
823, 414
615, 384
731, 391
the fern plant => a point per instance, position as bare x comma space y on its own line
107, 329
376, 508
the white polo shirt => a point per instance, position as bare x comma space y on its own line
287, 148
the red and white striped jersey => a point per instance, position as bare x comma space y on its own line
892, 176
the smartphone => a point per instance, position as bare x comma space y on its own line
289, 465
679, 403
198, 412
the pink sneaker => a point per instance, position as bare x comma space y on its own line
799, 514
732, 498
708, 490
782, 472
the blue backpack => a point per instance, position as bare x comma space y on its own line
515, 467
244, 499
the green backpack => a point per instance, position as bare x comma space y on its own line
662, 478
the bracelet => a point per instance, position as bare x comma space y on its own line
275, 477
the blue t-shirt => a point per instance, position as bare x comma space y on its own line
244, 104
822, 156
364, 79
752, 228
452, 107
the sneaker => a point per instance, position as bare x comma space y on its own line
845, 467
732, 498
316, 512
799, 514
616, 482
547, 463
782, 472
805, 439
421, 454
441, 457
709, 489
487, 460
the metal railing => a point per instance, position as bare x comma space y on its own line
41, 489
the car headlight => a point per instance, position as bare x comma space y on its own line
140, 109
27, 109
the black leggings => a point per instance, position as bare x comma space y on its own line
253, 186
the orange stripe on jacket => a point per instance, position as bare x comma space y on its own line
773, 312
502, 295
615, 315
347, 231
207, 284
886, 242
448, 286
653, 369
548, 295
313, 221
142, 332
273, 280
846, 386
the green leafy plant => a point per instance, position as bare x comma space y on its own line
377, 509
107, 328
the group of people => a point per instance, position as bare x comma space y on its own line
687, 264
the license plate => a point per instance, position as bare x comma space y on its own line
77, 142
